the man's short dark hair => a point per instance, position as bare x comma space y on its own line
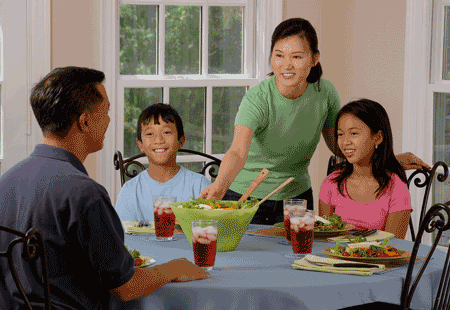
62, 96
167, 113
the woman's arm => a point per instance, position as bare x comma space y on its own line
324, 209
397, 223
232, 163
410, 161
328, 136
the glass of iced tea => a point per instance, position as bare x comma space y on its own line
164, 217
287, 205
204, 242
302, 230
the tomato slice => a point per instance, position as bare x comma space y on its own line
357, 255
346, 254
137, 262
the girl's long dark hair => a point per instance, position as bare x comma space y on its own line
383, 159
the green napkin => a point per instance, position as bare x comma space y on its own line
305, 265
378, 236
131, 227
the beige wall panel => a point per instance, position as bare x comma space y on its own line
75, 42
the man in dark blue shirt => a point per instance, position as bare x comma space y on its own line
51, 191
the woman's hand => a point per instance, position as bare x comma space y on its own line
410, 161
214, 191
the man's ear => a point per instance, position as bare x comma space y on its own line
82, 122
181, 141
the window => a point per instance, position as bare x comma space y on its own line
427, 92
198, 56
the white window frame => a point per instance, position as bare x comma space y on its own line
267, 15
422, 78
26, 34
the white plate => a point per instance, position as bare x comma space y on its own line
148, 261
378, 236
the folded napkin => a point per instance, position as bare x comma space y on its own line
306, 265
131, 227
378, 236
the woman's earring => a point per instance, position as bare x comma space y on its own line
376, 146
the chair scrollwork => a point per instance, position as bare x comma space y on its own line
424, 178
124, 166
32, 248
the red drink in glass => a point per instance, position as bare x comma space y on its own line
164, 217
204, 243
287, 227
288, 204
205, 254
302, 231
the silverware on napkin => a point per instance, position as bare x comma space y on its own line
368, 233
343, 265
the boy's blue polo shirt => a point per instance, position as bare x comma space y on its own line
51, 191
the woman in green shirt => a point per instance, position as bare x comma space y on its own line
278, 126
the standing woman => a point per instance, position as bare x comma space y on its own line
278, 126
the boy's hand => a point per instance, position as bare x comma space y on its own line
410, 161
214, 191
182, 270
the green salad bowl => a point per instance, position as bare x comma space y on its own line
232, 223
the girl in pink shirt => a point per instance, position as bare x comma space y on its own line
369, 188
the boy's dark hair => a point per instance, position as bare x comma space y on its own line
302, 28
167, 113
383, 159
62, 96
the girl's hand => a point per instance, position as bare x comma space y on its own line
410, 161
214, 191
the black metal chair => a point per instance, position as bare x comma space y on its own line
32, 249
123, 165
422, 178
437, 218
428, 176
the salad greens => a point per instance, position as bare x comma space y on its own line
134, 253
200, 203
373, 251
336, 224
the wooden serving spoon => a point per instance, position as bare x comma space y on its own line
261, 176
275, 190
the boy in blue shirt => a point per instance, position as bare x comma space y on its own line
160, 135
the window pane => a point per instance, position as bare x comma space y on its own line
225, 39
138, 39
182, 52
446, 47
442, 150
226, 101
136, 100
190, 104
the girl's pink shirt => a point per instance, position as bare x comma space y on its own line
372, 215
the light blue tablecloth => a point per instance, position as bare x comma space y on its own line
259, 276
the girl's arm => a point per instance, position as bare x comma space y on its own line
397, 223
232, 163
324, 209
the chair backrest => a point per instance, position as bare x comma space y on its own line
123, 165
437, 220
424, 178
32, 249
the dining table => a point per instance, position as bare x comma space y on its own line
258, 274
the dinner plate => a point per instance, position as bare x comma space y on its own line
324, 234
373, 260
332, 233
147, 261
